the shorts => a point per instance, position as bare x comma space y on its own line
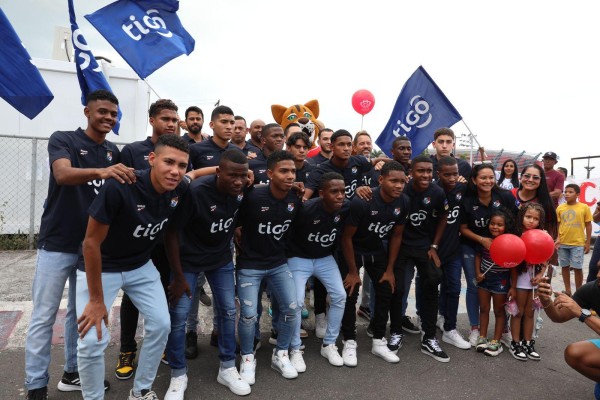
595, 342
496, 282
570, 256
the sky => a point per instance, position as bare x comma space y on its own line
525, 75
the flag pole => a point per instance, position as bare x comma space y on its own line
151, 88
471, 138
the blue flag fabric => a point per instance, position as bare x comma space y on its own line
147, 34
89, 72
421, 108
21, 84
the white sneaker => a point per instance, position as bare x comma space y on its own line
331, 354
281, 363
321, 325
232, 379
473, 336
506, 339
297, 360
177, 388
248, 368
440, 322
454, 338
380, 349
349, 353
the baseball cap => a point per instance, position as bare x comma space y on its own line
550, 154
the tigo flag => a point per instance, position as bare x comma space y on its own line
421, 108
147, 34
21, 84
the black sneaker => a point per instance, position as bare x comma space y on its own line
395, 342
38, 394
125, 365
408, 326
70, 382
273, 337
432, 348
364, 312
191, 345
214, 338
530, 350
204, 298
517, 351
370, 331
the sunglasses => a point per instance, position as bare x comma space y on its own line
532, 177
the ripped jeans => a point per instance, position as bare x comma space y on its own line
283, 288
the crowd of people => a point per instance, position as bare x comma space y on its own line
163, 216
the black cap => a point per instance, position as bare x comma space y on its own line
550, 154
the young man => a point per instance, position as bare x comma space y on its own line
272, 139
163, 119
205, 153
198, 242
290, 129
265, 216
125, 222
309, 249
402, 151
450, 253
80, 162
297, 145
420, 243
368, 225
443, 143
255, 130
574, 236
555, 180
325, 152
194, 120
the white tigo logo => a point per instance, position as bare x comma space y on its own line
419, 111
276, 230
221, 226
97, 184
417, 218
325, 240
381, 230
84, 53
152, 20
150, 230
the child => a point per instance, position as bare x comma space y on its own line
571, 243
527, 276
493, 283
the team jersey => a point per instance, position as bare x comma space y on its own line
206, 218
317, 160
303, 173
425, 209
64, 219
450, 242
314, 232
136, 154
353, 174
374, 220
265, 221
476, 215
258, 166
137, 215
207, 153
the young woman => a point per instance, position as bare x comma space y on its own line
509, 177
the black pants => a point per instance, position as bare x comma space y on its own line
430, 278
129, 313
320, 297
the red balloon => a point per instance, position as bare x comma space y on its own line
539, 245
363, 101
507, 250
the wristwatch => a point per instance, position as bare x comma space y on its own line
584, 314
434, 246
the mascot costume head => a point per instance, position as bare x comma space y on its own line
304, 115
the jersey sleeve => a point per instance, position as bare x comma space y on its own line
58, 147
108, 202
314, 178
356, 212
127, 156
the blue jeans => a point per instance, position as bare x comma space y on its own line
472, 296
221, 281
283, 288
147, 294
450, 292
191, 324
51, 273
325, 270
409, 273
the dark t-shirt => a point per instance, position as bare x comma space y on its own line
190, 140
555, 180
425, 207
206, 219
317, 160
265, 221
137, 215
353, 174
135, 155
64, 220
477, 215
314, 232
258, 166
251, 147
374, 221
303, 174
450, 243
588, 296
207, 153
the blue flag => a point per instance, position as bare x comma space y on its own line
146, 33
21, 84
421, 108
89, 72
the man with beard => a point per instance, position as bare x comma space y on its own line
194, 119
255, 130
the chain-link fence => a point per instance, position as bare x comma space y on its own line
24, 173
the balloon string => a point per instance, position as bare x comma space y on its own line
362, 119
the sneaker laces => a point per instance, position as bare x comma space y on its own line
350, 348
434, 344
395, 339
124, 359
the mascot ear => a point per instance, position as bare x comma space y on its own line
313, 106
278, 112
